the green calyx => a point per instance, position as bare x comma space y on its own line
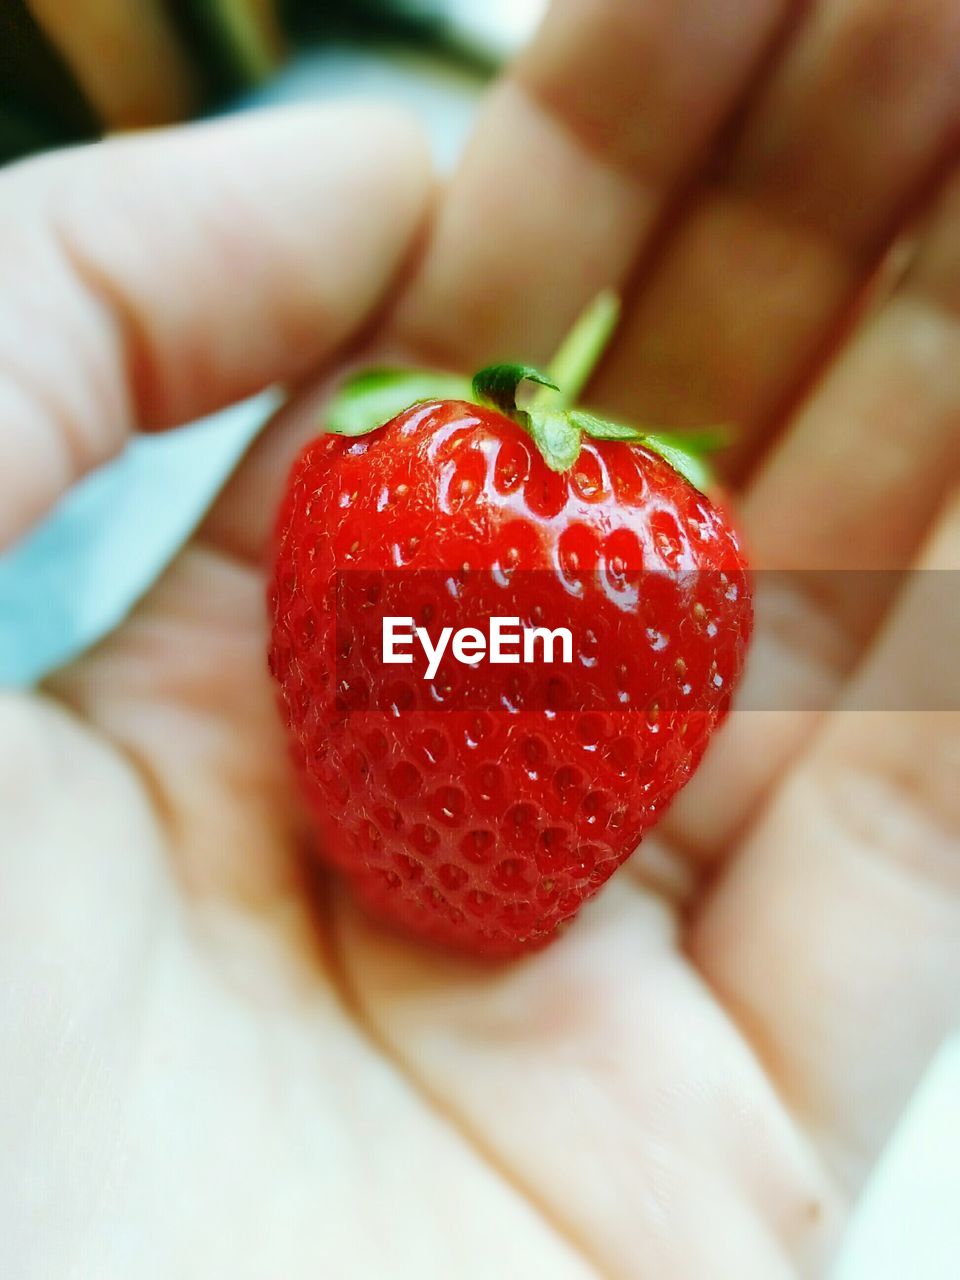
539, 402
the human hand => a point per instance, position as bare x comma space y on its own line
212, 1063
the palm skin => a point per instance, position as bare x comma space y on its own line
213, 1064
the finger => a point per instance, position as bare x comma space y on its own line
125, 58
848, 133
159, 278
835, 935
851, 487
607, 1044
574, 156
875, 450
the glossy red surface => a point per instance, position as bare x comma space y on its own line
485, 827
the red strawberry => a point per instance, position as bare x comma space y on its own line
486, 826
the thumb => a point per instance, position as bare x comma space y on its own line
149, 280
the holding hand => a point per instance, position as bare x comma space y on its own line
215, 1065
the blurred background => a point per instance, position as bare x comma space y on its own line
73, 69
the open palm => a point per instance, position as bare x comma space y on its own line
212, 1064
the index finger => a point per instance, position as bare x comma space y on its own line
575, 156
152, 280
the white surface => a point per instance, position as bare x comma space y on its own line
496, 28
906, 1225
77, 576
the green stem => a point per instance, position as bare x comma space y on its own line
580, 351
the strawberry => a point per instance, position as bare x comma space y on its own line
482, 808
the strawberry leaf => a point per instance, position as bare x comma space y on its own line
374, 396
689, 461
370, 398
497, 384
555, 435
686, 453
704, 441
605, 428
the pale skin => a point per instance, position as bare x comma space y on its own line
212, 1064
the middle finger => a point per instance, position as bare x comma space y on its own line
850, 130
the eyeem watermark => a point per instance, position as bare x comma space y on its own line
597, 641
505, 643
